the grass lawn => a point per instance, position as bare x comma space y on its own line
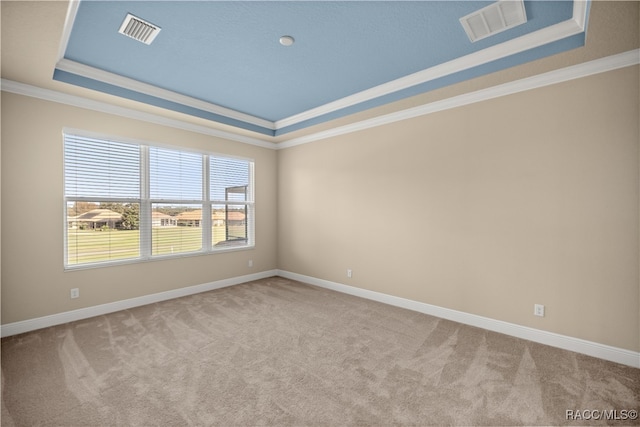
85, 246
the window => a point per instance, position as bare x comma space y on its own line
128, 201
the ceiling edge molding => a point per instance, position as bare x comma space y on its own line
586, 69
573, 26
580, 9
72, 11
87, 71
103, 107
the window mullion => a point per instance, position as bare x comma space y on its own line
145, 204
206, 206
250, 224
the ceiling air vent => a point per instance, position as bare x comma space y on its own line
493, 19
139, 29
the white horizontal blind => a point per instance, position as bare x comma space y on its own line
127, 201
102, 195
228, 173
176, 192
175, 175
95, 168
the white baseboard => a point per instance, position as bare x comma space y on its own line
613, 354
98, 310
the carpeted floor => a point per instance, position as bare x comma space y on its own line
278, 352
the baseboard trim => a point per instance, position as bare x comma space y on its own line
602, 351
98, 310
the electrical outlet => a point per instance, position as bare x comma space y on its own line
349, 273
250, 263
75, 293
538, 310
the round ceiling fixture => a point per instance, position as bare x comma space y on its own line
287, 40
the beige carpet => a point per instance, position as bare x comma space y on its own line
278, 352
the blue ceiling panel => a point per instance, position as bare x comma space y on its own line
227, 54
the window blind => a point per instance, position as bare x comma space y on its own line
175, 175
176, 185
102, 195
95, 168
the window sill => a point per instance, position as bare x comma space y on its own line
214, 251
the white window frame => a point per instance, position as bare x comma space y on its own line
146, 202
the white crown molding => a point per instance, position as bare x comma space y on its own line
77, 101
597, 66
594, 349
573, 26
99, 310
601, 65
147, 89
580, 8
72, 11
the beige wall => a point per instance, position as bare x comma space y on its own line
486, 209
33, 281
